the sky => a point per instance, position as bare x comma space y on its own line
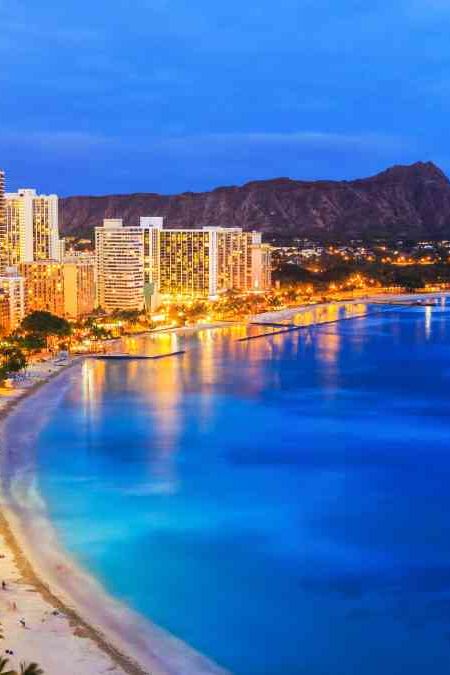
118, 96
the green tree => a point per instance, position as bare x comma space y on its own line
129, 315
29, 342
99, 333
30, 669
12, 360
46, 324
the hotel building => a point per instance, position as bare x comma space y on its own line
136, 264
44, 286
79, 285
32, 231
120, 275
207, 262
261, 267
4, 314
3, 260
65, 289
12, 288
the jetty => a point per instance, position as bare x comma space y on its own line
271, 324
135, 357
287, 329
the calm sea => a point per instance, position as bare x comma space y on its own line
281, 504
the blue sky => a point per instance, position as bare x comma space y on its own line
166, 96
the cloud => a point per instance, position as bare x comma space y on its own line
72, 162
54, 142
228, 148
296, 140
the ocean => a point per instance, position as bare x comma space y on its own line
280, 504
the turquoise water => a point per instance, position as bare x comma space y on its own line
282, 505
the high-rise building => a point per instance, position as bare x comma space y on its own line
261, 266
135, 262
79, 285
62, 288
187, 263
12, 288
32, 231
208, 262
3, 259
44, 286
4, 314
120, 274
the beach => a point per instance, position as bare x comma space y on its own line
69, 618
53, 633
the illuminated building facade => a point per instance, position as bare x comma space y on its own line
207, 262
13, 290
119, 264
4, 314
201, 263
44, 286
79, 285
187, 263
32, 231
261, 267
3, 259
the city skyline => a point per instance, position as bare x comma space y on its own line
208, 96
224, 336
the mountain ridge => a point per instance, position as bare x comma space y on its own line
408, 201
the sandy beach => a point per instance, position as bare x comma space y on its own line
53, 635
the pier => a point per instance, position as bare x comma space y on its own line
271, 324
288, 329
135, 357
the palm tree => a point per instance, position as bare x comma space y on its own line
3, 664
30, 669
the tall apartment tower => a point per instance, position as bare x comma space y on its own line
123, 259
32, 230
3, 259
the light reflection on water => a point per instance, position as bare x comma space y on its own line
280, 503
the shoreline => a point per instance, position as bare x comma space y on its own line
86, 638
82, 629
381, 299
57, 584
28, 575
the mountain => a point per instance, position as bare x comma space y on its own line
403, 201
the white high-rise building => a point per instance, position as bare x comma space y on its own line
121, 265
32, 230
3, 258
